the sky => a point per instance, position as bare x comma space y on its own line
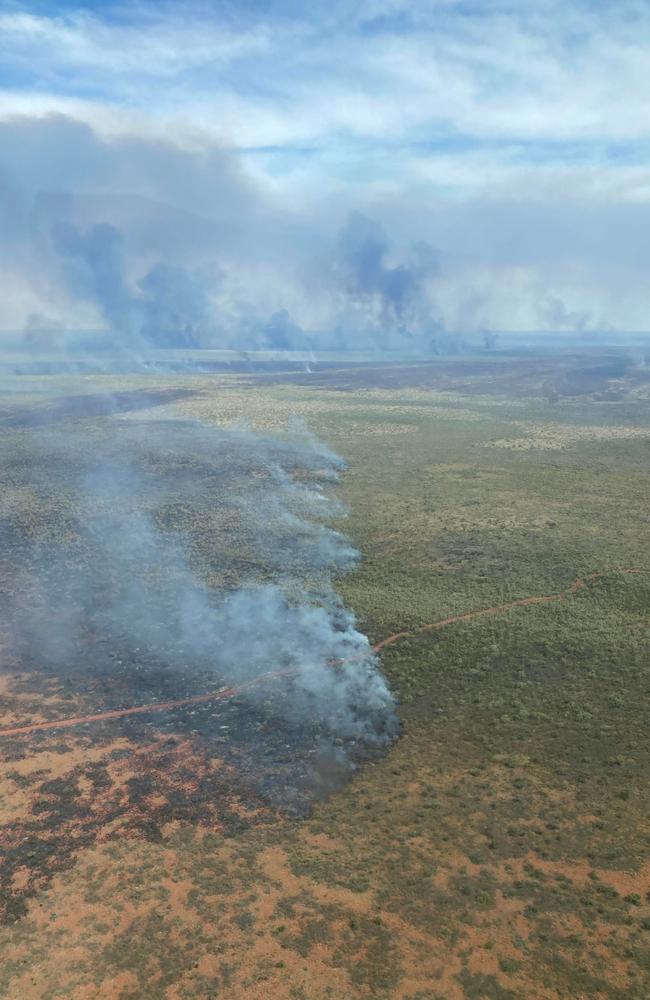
380, 174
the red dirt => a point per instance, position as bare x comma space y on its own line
230, 692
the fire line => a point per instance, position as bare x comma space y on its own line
230, 692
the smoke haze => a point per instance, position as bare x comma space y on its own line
132, 243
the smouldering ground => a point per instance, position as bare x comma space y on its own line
499, 850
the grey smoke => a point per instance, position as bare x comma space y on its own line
165, 244
94, 266
393, 298
282, 333
555, 316
196, 551
167, 307
387, 304
364, 247
175, 306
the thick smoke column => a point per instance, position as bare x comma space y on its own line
195, 555
167, 307
391, 300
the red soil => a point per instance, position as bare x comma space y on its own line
230, 692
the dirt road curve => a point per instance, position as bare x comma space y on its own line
469, 615
222, 693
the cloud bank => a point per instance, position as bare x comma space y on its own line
383, 175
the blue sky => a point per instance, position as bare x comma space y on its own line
551, 81
433, 116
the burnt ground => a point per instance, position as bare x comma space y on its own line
66, 638
508, 374
90, 405
222, 765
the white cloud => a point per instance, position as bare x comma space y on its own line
547, 71
153, 48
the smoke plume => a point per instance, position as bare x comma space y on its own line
135, 242
167, 307
390, 300
161, 557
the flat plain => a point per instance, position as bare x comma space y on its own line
499, 848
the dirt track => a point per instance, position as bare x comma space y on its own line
521, 602
232, 691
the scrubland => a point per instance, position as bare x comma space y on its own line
499, 848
